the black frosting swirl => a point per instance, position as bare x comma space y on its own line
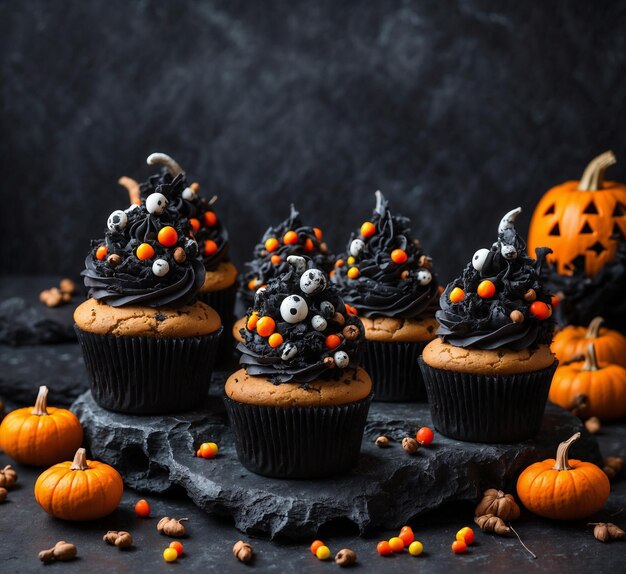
195, 207
486, 323
261, 269
132, 281
384, 288
312, 356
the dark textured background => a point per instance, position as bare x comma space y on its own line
457, 110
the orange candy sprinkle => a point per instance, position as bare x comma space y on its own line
208, 450
339, 263
210, 247
101, 252
210, 218
276, 259
399, 256
195, 223
466, 534
351, 310
459, 547
353, 272
290, 238
368, 229
271, 244
142, 508
383, 548
308, 245
457, 295
555, 301
275, 340
396, 544
145, 251
486, 289
252, 321
540, 310
177, 546
318, 233
167, 236
332, 341
265, 326
315, 545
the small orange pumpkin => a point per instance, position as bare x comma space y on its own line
79, 490
581, 221
563, 489
571, 342
604, 384
40, 435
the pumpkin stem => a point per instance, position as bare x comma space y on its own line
132, 187
591, 359
562, 462
594, 328
80, 460
593, 176
40, 408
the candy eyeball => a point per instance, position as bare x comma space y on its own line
342, 360
117, 220
156, 203
189, 194
479, 259
327, 308
356, 247
289, 352
160, 267
508, 252
319, 323
424, 277
294, 309
297, 262
312, 281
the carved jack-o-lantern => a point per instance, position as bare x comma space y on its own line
581, 221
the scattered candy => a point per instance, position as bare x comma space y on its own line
208, 450
210, 219
308, 245
479, 259
457, 295
101, 252
117, 220
555, 301
170, 555
407, 535
271, 244
294, 309
530, 295
179, 255
332, 341
351, 260
177, 546
342, 360
399, 256
323, 553
368, 229
425, 436
486, 289
517, 316
243, 551
356, 246
339, 263
410, 445
275, 340
459, 547
276, 259
210, 247
195, 223
290, 238
382, 442
396, 544
142, 508
383, 548
160, 267
252, 321
416, 548
424, 277
345, 557
540, 310
265, 326
312, 281
318, 233
156, 203
319, 323
315, 545
466, 534
167, 236
353, 273
289, 352
145, 251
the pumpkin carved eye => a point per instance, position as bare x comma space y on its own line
556, 230
597, 247
551, 210
619, 210
591, 208
586, 228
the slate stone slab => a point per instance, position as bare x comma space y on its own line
386, 490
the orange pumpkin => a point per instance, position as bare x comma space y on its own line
40, 435
604, 384
581, 221
79, 490
563, 489
571, 342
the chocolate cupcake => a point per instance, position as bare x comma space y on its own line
488, 374
299, 404
290, 237
149, 346
386, 276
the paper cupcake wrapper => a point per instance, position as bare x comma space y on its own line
223, 301
487, 408
298, 442
395, 372
149, 375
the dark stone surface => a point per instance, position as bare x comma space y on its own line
458, 110
386, 490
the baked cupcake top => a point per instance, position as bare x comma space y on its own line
207, 228
289, 237
499, 300
147, 256
299, 328
384, 271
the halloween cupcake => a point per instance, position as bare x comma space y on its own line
220, 284
149, 346
488, 374
299, 404
290, 237
388, 279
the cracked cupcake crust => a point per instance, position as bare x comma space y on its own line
353, 386
220, 278
392, 330
440, 355
134, 321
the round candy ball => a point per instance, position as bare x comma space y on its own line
356, 247
327, 308
312, 281
479, 259
117, 220
160, 267
289, 351
189, 194
156, 203
294, 309
342, 360
319, 323
424, 277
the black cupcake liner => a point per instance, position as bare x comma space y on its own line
223, 301
487, 408
298, 442
394, 370
149, 375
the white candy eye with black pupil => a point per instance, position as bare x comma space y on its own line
294, 309
479, 259
156, 203
117, 220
